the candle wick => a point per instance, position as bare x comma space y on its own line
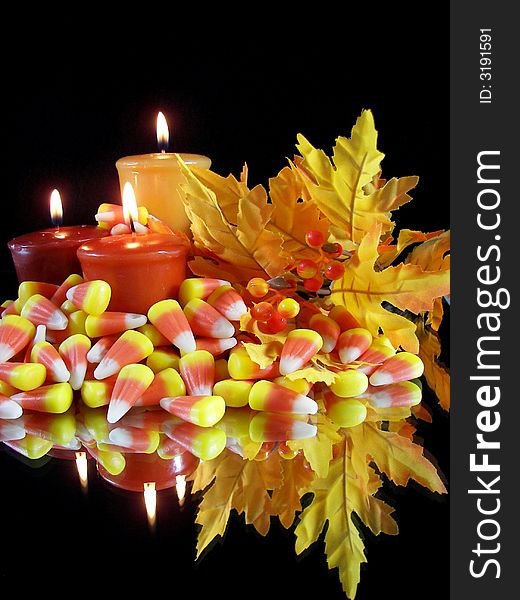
132, 226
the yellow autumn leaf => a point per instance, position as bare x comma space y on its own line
406, 238
264, 355
437, 375
392, 413
362, 290
203, 266
286, 498
314, 374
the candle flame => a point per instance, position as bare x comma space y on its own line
82, 467
129, 205
163, 135
150, 501
56, 208
180, 486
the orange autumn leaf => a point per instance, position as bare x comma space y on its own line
406, 238
437, 375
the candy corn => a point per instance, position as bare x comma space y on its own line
46, 354
352, 344
23, 376
400, 367
131, 383
270, 397
39, 336
170, 320
95, 421
200, 410
15, 333
6, 389
112, 322
228, 302
154, 335
152, 420
205, 321
97, 393
198, 288
343, 318
91, 296
376, 355
271, 427
30, 446
205, 443
101, 347
131, 347
166, 383
110, 214
75, 326
301, 386
216, 346
12, 308
345, 412
60, 295
55, 398
403, 393
59, 429
163, 358
113, 462
135, 439
198, 372
41, 311
29, 288
301, 345
242, 367
9, 409
168, 449
74, 352
235, 393
349, 383
328, 329
68, 308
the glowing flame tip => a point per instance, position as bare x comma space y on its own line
56, 208
163, 134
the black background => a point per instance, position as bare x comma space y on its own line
239, 94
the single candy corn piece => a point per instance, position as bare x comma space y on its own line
300, 346
205, 443
235, 393
112, 322
376, 355
29, 288
9, 409
41, 311
328, 329
216, 346
60, 295
163, 358
270, 397
343, 318
101, 347
198, 288
96, 393
59, 429
76, 326
91, 296
221, 369
39, 336
205, 321
228, 302
200, 410
46, 354
400, 367
135, 439
301, 386
198, 372
352, 344
168, 449
15, 333
154, 335
271, 427
349, 383
30, 446
11, 430
170, 320
403, 393
131, 383
74, 352
113, 462
345, 412
55, 398
242, 367
23, 376
166, 383
130, 348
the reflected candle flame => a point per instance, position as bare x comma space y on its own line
82, 467
163, 135
150, 501
130, 206
56, 208
180, 486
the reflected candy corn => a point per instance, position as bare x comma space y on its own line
46, 354
328, 329
163, 358
343, 318
59, 429
270, 397
39, 336
400, 367
135, 439
11, 430
271, 427
76, 325
352, 344
200, 410
74, 352
403, 393
349, 383
92, 297
168, 449
131, 383
170, 320
198, 288
24, 376
131, 347
60, 295
41, 311
55, 398
151, 420
345, 412
228, 302
234, 392
216, 346
166, 383
242, 367
154, 335
205, 321
112, 322
101, 347
235, 424
9, 409
198, 372
96, 393
95, 421
113, 462
376, 354
205, 443
30, 446
15, 333
301, 345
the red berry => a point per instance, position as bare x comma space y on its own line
306, 268
313, 284
314, 238
334, 270
275, 324
333, 250
262, 311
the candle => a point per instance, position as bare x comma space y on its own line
49, 255
141, 269
157, 179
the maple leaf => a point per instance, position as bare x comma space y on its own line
315, 374
286, 498
264, 355
407, 287
437, 375
406, 238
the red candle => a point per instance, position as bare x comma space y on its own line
50, 255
